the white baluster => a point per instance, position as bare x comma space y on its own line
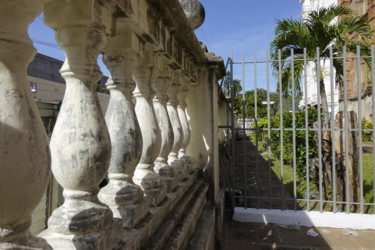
80, 143
162, 83
24, 153
181, 109
176, 125
123, 197
144, 175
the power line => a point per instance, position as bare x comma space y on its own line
52, 45
205, 38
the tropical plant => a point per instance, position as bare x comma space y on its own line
318, 30
237, 98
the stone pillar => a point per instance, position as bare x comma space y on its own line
184, 158
144, 175
24, 154
123, 197
176, 125
162, 83
80, 143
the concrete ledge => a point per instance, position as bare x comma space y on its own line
137, 237
106, 239
204, 234
162, 234
179, 239
304, 218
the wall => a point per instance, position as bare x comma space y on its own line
362, 8
224, 117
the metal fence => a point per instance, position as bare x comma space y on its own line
297, 155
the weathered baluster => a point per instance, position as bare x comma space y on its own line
80, 144
176, 125
185, 159
123, 197
144, 175
24, 154
161, 85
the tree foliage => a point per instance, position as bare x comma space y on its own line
319, 30
237, 98
252, 103
300, 137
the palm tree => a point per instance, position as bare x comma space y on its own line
319, 30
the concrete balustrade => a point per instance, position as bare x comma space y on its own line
24, 152
144, 175
123, 197
181, 109
141, 144
161, 86
173, 91
80, 143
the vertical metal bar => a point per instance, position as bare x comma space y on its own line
294, 133
306, 132
319, 131
281, 133
347, 189
333, 127
233, 149
256, 126
373, 110
269, 132
360, 126
243, 126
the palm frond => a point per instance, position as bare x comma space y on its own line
287, 77
319, 30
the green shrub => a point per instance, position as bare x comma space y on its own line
300, 138
367, 135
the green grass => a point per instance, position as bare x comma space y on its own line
252, 136
301, 183
367, 142
368, 179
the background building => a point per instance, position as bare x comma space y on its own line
362, 8
311, 91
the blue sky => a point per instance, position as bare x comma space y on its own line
245, 26
230, 26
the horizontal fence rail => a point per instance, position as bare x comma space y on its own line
291, 152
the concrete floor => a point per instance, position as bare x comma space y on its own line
239, 235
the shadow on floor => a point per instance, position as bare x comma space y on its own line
256, 180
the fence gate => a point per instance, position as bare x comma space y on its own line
302, 144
